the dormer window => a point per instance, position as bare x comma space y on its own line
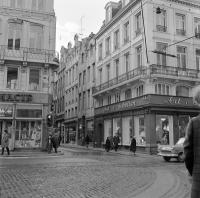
108, 14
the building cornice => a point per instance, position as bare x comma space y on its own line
187, 3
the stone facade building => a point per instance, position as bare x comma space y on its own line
147, 64
27, 62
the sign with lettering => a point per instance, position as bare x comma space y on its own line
6, 111
15, 98
148, 100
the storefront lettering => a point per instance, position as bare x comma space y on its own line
15, 97
179, 101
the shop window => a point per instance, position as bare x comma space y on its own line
34, 79
163, 134
162, 89
128, 94
12, 77
139, 130
107, 129
117, 127
28, 134
127, 131
182, 91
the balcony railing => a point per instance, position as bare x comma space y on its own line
28, 54
159, 70
122, 78
161, 28
174, 71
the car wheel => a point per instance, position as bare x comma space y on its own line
167, 159
181, 157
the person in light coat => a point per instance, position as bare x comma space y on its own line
192, 149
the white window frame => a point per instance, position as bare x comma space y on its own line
162, 89
181, 56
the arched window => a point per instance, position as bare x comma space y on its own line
182, 91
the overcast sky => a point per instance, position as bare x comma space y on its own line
70, 13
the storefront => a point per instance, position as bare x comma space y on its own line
23, 115
151, 119
70, 131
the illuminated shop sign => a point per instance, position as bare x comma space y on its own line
6, 110
15, 98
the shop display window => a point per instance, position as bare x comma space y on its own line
164, 132
28, 134
140, 133
127, 131
107, 129
182, 123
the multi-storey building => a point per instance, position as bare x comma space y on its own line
148, 58
27, 61
86, 73
71, 61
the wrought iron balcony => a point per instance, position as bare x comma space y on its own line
174, 71
28, 54
139, 71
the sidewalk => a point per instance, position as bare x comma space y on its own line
30, 153
120, 151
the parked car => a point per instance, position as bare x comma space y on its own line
176, 151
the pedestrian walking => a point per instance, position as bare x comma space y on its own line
55, 141
87, 140
5, 142
133, 145
107, 144
116, 141
192, 150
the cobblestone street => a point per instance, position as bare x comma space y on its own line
92, 174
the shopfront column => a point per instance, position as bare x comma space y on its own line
150, 129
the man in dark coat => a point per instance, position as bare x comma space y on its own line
87, 140
55, 141
192, 150
133, 145
116, 141
107, 145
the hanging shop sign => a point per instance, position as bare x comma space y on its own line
6, 111
15, 98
